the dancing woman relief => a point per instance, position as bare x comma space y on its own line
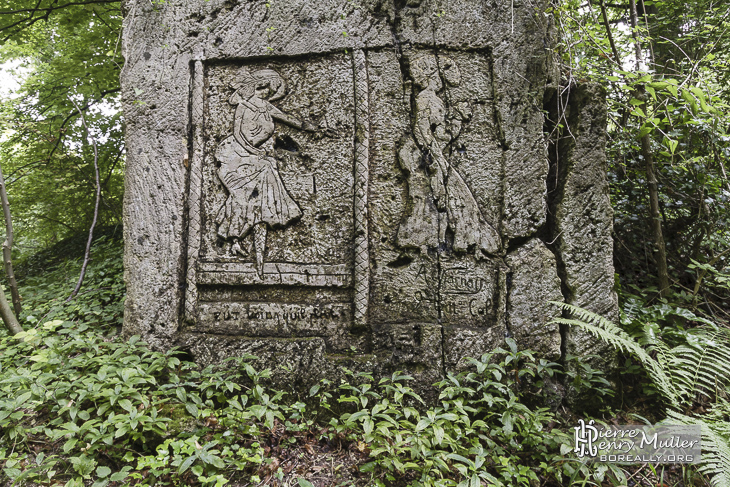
257, 198
439, 196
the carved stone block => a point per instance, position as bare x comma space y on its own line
356, 181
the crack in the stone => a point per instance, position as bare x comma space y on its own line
498, 123
556, 186
507, 287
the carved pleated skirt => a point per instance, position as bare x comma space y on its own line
256, 193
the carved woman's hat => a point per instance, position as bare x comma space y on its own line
251, 80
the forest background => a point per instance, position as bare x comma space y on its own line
666, 68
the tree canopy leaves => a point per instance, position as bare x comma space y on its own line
66, 52
669, 81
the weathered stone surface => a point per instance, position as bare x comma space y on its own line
583, 217
295, 361
533, 282
319, 182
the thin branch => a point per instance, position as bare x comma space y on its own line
78, 111
96, 204
704, 271
44, 217
32, 19
596, 44
11, 176
648, 32
33, 11
8, 247
70, 4
114, 164
616, 56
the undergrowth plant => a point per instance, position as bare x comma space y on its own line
693, 371
78, 408
482, 430
81, 406
100, 303
112, 411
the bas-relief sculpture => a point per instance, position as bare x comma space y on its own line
381, 205
257, 199
439, 196
272, 254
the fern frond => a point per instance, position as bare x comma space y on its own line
703, 364
700, 365
715, 461
602, 328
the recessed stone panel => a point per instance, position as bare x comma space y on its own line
321, 183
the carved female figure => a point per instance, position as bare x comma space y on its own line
257, 198
435, 129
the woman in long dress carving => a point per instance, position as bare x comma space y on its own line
257, 198
435, 128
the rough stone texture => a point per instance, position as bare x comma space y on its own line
320, 183
583, 217
533, 282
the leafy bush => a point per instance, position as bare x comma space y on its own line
100, 406
85, 398
100, 302
481, 431
693, 372
81, 407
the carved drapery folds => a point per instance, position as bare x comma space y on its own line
378, 198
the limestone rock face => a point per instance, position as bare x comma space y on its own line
582, 215
533, 283
319, 183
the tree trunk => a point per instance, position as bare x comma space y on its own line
11, 322
646, 152
8, 247
656, 218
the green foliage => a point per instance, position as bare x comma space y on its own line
99, 303
98, 404
677, 93
61, 53
482, 429
79, 407
697, 370
715, 429
613, 335
68, 386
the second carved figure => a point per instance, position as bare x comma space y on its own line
440, 198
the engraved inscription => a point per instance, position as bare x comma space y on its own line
467, 294
273, 318
275, 274
453, 281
